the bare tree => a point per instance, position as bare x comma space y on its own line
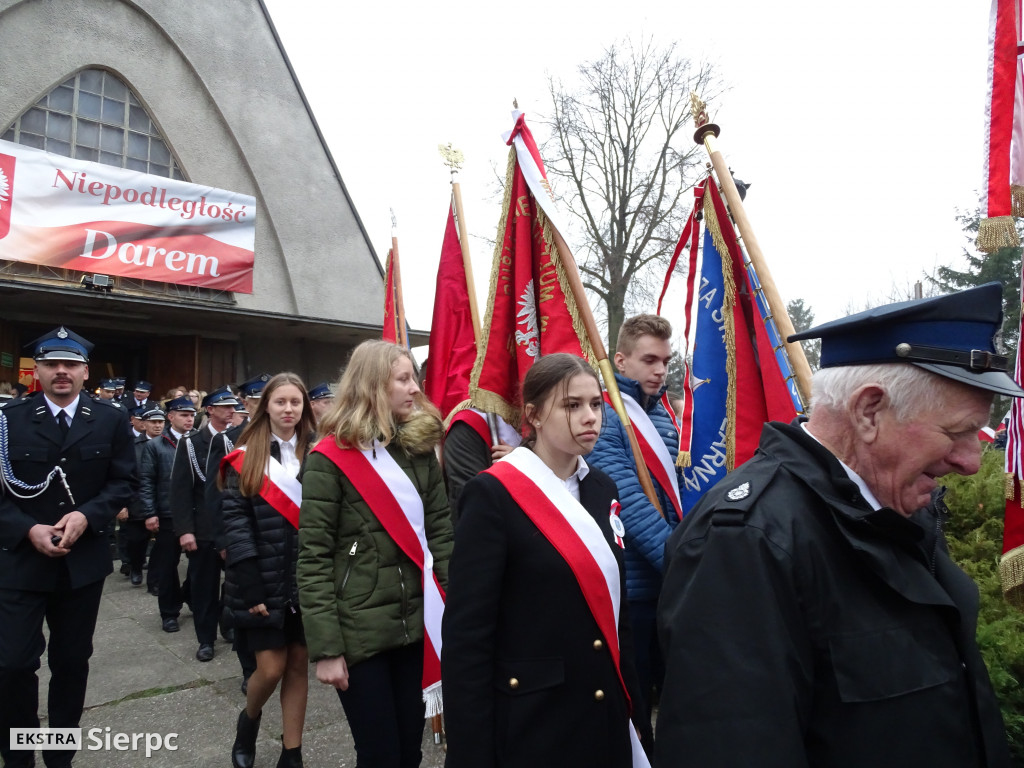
621, 136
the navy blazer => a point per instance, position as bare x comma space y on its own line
528, 679
97, 457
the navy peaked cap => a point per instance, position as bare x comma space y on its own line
61, 344
222, 396
321, 391
950, 335
254, 386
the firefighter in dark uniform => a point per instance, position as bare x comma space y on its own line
194, 523
139, 398
252, 391
220, 446
321, 398
67, 467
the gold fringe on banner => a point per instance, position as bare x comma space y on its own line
1011, 573
728, 304
1008, 486
464, 405
995, 233
1017, 199
563, 282
683, 459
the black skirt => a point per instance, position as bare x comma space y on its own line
268, 638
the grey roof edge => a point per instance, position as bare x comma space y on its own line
319, 133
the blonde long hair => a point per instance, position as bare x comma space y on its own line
256, 435
362, 407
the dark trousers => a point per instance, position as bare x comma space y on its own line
204, 567
650, 668
164, 562
384, 707
134, 537
70, 615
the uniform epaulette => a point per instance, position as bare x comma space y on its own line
735, 496
110, 404
9, 404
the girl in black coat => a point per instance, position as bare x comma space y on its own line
260, 508
533, 673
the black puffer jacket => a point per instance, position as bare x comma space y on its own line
155, 475
262, 549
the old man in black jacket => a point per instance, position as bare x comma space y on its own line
810, 613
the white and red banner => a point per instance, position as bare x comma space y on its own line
74, 214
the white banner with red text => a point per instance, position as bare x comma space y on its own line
74, 214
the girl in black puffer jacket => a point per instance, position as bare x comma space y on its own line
261, 515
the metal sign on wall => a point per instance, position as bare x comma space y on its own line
75, 214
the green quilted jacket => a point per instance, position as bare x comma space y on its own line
360, 594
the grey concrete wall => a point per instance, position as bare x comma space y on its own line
312, 360
214, 80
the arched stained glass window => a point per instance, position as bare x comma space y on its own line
95, 116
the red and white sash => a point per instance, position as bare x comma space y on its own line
574, 534
654, 450
397, 504
280, 489
477, 420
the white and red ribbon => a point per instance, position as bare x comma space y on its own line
653, 449
397, 504
280, 490
477, 420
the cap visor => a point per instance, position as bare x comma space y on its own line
992, 381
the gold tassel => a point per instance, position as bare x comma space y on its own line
1011, 573
995, 233
1008, 485
683, 459
728, 304
1017, 199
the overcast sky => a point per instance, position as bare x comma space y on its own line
860, 126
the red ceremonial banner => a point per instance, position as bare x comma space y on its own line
452, 342
74, 214
530, 307
390, 305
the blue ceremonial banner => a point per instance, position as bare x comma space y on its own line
709, 379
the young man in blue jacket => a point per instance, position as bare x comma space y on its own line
641, 359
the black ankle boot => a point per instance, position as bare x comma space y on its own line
243, 751
290, 758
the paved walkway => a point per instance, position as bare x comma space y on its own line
144, 680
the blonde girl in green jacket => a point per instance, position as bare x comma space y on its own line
361, 595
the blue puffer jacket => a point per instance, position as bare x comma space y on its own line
646, 530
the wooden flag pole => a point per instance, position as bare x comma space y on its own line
403, 336
572, 274
707, 134
453, 158
460, 220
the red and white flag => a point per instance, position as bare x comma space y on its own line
1003, 188
452, 341
394, 312
530, 308
1011, 565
